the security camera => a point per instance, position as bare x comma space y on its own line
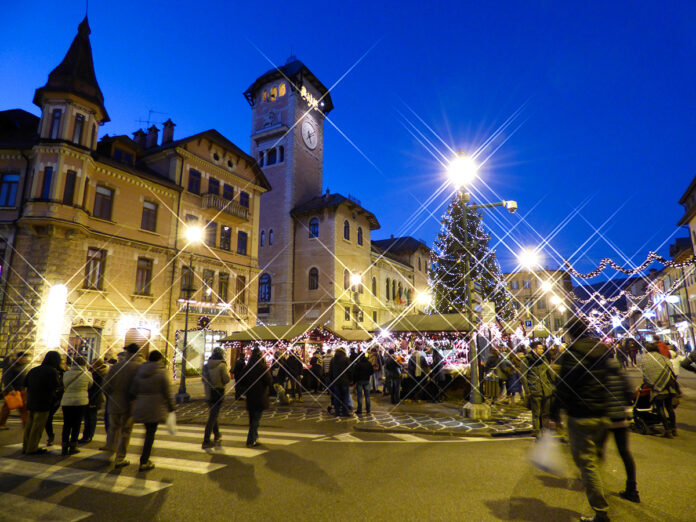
511, 206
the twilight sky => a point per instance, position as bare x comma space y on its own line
591, 106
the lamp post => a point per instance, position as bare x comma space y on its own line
462, 171
193, 235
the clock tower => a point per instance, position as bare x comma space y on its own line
288, 106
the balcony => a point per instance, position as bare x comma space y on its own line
225, 205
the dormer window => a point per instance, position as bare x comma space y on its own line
264, 96
77, 131
281, 89
274, 94
55, 124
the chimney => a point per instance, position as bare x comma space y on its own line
168, 131
151, 139
139, 137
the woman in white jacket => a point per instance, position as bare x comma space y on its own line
76, 383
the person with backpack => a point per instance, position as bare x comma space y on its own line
215, 377
658, 374
238, 373
376, 362
96, 399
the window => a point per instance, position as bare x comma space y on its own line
264, 96
94, 136
557, 324
313, 278
223, 286
374, 317
149, 219
123, 156
213, 186
208, 282
261, 159
281, 89
55, 124
69, 190
85, 193
191, 219
242, 243
374, 286
270, 157
186, 282
262, 238
314, 227
393, 290
515, 285
388, 287
211, 233
47, 182
228, 192
240, 297
143, 276
274, 94
194, 183
419, 263
400, 292
526, 284
360, 238
264, 288
8, 189
94, 269
244, 199
103, 201
346, 279
541, 303
360, 315
225, 238
281, 154
346, 314
270, 237
77, 130
346, 230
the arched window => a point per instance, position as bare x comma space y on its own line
409, 294
264, 96
313, 278
314, 227
270, 156
270, 237
346, 279
388, 287
394, 289
264, 288
281, 89
359, 235
346, 230
262, 238
374, 286
419, 263
400, 292
281, 154
274, 93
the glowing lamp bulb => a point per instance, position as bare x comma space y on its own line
194, 234
462, 170
424, 298
528, 258
555, 300
562, 309
546, 286
354, 279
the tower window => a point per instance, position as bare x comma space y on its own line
314, 227
346, 230
77, 131
264, 96
194, 182
360, 236
262, 238
388, 287
69, 190
274, 94
55, 124
281, 154
270, 237
419, 263
281, 89
264, 288
47, 183
8, 189
313, 279
271, 157
94, 136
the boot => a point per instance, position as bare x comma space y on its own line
599, 516
630, 494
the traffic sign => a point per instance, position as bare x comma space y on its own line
528, 324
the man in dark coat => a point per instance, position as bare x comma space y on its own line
537, 386
582, 392
238, 373
42, 385
258, 382
339, 377
294, 369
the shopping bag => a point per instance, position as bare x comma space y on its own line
547, 455
14, 400
171, 423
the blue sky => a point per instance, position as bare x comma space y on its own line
600, 95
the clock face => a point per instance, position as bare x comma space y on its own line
309, 134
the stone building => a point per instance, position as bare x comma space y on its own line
93, 231
314, 244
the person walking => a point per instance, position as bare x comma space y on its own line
215, 377
118, 388
393, 369
58, 396
13, 374
315, 369
582, 392
537, 386
363, 369
339, 376
96, 399
294, 367
238, 373
376, 362
41, 386
153, 401
658, 374
76, 382
258, 383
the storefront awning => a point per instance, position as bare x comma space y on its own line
421, 323
289, 332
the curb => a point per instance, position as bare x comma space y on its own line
488, 434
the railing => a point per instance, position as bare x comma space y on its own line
225, 205
239, 310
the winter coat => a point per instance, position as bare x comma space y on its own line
326, 363
417, 365
535, 376
438, 370
76, 383
375, 361
153, 393
293, 365
392, 367
13, 375
118, 384
215, 375
657, 371
96, 391
258, 381
42, 385
619, 393
339, 372
581, 388
315, 365
689, 362
362, 369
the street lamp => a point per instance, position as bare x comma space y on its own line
424, 299
528, 259
555, 300
193, 235
462, 171
546, 286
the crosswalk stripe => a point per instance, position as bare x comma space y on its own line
408, 437
22, 509
186, 465
193, 447
111, 482
199, 437
347, 437
265, 434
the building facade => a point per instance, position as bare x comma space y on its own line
314, 245
94, 230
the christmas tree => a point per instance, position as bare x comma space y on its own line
447, 275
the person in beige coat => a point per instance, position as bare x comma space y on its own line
215, 377
76, 383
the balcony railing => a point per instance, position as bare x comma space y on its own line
225, 205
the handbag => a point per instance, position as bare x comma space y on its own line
171, 423
547, 455
14, 400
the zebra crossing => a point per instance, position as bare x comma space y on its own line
91, 469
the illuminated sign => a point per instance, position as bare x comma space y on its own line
310, 99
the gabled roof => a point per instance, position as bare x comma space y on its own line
290, 332
399, 244
218, 138
332, 201
18, 129
421, 323
75, 74
297, 73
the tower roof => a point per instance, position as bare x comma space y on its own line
297, 73
75, 74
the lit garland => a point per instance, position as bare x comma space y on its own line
607, 262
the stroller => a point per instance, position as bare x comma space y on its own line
645, 414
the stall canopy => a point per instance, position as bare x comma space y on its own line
289, 332
428, 323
